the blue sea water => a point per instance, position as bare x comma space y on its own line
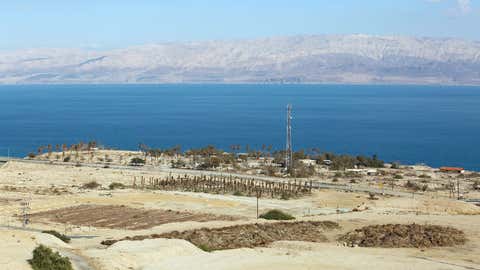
436, 125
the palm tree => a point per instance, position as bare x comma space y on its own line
64, 148
49, 147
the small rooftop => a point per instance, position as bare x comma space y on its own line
451, 169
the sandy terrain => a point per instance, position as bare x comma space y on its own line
17, 247
51, 188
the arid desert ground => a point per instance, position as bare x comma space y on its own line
223, 229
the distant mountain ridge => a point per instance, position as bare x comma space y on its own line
297, 59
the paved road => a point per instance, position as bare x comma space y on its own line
317, 184
79, 262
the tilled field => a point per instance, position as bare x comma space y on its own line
404, 236
121, 217
247, 236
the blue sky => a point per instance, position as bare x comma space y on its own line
105, 24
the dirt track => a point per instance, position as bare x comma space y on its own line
121, 217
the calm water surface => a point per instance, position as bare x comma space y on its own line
411, 124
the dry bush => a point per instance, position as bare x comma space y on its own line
246, 236
91, 185
116, 185
404, 236
60, 236
476, 185
276, 215
412, 186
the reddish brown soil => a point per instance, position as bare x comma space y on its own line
404, 236
247, 236
121, 217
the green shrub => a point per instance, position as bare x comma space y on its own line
91, 185
60, 236
116, 185
397, 176
351, 174
476, 185
237, 193
67, 159
136, 161
178, 163
412, 186
372, 196
276, 215
395, 165
471, 175
45, 259
210, 163
303, 171
205, 248
285, 196
270, 171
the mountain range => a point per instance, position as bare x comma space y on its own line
296, 59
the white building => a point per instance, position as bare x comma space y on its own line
308, 162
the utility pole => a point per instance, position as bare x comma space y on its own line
289, 150
458, 189
258, 195
257, 205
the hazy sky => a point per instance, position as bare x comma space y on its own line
119, 23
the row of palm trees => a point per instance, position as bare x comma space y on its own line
81, 146
340, 161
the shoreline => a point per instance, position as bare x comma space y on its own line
199, 83
467, 169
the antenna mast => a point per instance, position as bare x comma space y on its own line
289, 151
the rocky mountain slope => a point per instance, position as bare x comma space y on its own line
298, 59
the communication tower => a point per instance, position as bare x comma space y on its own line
289, 150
